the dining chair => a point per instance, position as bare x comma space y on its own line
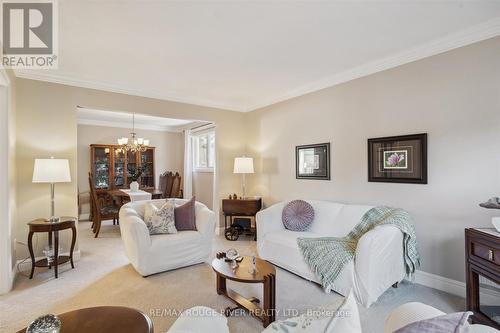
176, 186
168, 184
162, 185
101, 211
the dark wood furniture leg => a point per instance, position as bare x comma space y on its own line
269, 305
221, 285
73, 242
32, 254
50, 245
97, 227
255, 221
56, 252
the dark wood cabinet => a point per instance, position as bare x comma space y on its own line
109, 163
483, 275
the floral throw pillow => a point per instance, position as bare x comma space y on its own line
160, 220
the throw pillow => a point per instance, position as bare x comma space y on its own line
160, 220
297, 215
448, 323
329, 319
185, 217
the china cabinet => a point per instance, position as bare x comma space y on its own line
109, 165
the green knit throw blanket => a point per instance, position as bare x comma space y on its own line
327, 256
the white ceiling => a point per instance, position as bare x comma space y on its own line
241, 55
86, 116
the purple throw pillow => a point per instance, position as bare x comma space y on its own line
449, 323
297, 215
185, 217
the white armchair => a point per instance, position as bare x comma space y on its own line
158, 253
379, 256
412, 312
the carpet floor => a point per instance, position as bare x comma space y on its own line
103, 276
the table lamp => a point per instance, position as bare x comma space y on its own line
243, 165
51, 171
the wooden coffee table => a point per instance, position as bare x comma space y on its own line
265, 274
104, 319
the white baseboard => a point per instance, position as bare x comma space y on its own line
219, 231
450, 286
84, 217
453, 287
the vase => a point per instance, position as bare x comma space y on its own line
134, 186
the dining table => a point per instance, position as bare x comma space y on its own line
126, 195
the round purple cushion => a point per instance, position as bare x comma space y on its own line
297, 215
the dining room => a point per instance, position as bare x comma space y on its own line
125, 157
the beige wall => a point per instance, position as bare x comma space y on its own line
454, 97
46, 126
169, 152
203, 187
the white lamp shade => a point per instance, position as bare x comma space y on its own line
51, 171
243, 165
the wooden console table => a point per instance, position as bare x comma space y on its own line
240, 207
52, 228
482, 261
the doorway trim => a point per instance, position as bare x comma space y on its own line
7, 267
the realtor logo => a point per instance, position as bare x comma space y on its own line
29, 33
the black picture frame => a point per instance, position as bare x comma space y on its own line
322, 170
398, 159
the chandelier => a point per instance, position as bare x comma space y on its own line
133, 144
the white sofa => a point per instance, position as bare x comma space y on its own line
412, 312
158, 253
379, 256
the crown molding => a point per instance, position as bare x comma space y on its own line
474, 34
117, 124
67, 79
471, 35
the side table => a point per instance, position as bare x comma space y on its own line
41, 225
239, 207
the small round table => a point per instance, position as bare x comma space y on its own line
52, 228
104, 319
265, 274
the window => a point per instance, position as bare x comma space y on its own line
204, 151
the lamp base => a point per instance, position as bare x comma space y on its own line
53, 219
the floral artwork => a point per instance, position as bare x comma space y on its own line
396, 159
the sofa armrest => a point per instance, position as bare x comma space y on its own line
135, 236
269, 220
409, 313
379, 261
205, 222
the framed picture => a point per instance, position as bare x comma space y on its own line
313, 161
398, 159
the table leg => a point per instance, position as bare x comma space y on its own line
269, 306
32, 254
50, 245
73, 241
221, 285
255, 221
56, 252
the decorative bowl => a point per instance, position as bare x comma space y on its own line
45, 324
